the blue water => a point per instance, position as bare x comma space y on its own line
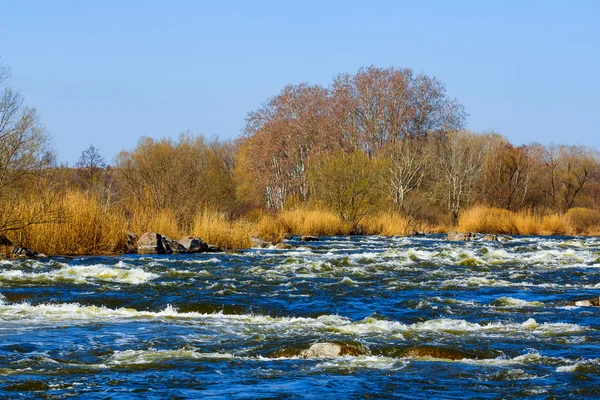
238, 325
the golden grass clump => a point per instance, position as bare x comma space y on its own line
584, 220
160, 221
214, 228
494, 220
312, 222
487, 219
86, 227
387, 224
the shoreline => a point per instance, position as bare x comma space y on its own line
466, 237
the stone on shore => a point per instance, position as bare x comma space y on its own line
151, 243
155, 243
23, 252
129, 243
193, 244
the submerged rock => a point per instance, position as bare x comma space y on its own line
436, 352
193, 244
213, 248
489, 238
308, 238
333, 350
594, 302
455, 236
260, 243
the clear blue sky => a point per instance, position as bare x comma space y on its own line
108, 72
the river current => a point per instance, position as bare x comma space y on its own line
235, 325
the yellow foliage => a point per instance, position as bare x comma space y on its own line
312, 222
495, 220
86, 228
215, 229
584, 220
163, 221
386, 224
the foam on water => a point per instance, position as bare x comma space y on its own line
82, 274
133, 357
502, 306
49, 313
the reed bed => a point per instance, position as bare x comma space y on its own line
88, 226
214, 228
85, 226
527, 222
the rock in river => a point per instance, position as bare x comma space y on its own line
333, 350
594, 302
455, 236
436, 352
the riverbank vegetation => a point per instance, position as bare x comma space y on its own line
382, 151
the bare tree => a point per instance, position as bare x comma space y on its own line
410, 161
25, 154
90, 163
460, 162
281, 137
507, 174
379, 106
562, 173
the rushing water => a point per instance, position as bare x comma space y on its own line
235, 325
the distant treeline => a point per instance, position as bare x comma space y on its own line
379, 142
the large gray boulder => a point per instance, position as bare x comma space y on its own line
155, 243
23, 252
193, 244
151, 243
173, 245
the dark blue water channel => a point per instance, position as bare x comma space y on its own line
238, 325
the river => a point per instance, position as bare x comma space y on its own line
238, 325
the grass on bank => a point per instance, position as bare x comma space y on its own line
576, 221
87, 226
